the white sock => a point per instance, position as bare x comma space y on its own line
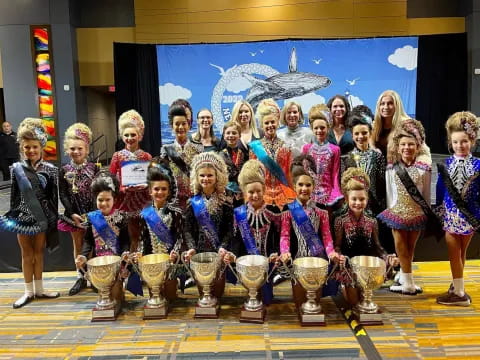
459, 287
29, 289
38, 287
407, 280
399, 277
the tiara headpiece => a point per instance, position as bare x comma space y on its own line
41, 135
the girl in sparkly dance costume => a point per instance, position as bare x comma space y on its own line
274, 155
107, 229
458, 190
327, 159
179, 155
33, 207
257, 225
74, 183
305, 227
408, 185
134, 198
161, 223
356, 232
209, 218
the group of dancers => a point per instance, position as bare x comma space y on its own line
352, 183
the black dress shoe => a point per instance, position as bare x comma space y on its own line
80, 284
24, 300
190, 282
48, 295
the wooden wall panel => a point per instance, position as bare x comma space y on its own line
95, 53
192, 21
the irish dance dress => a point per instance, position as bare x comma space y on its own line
179, 158
33, 199
403, 212
75, 194
276, 158
465, 180
128, 200
327, 160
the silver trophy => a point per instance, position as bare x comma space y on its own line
252, 272
311, 273
102, 273
154, 268
204, 268
370, 275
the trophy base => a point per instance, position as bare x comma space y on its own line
311, 319
369, 319
257, 317
151, 313
207, 312
106, 314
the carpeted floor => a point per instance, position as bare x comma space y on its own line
414, 327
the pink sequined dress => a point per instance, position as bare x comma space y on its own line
327, 184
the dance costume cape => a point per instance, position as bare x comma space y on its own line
204, 220
306, 229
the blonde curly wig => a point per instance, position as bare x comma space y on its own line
354, 179
265, 108
77, 131
32, 129
252, 171
213, 161
131, 119
462, 121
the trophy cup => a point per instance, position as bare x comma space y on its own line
370, 274
252, 272
102, 273
154, 268
205, 268
311, 272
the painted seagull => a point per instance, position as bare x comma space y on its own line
352, 82
284, 85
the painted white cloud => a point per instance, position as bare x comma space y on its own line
405, 57
307, 101
239, 84
354, 100
170, 92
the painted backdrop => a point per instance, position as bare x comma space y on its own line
215, 76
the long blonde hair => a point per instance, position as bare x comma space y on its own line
398, 116
253, 123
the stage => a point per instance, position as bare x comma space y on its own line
414, 327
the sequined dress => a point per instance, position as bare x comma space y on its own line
74, 188
221, 215
465, 175
292, 240
169, 155
275, 192
355, 237
327, 184
129, 201
373, 164
173, 220
44, 182
402, 212
265, 226
118, 222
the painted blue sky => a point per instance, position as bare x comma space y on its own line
210, 75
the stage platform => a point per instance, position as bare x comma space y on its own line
414, 327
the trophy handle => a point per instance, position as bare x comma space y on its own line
286, 271
234, 272
271, 271
187, 266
